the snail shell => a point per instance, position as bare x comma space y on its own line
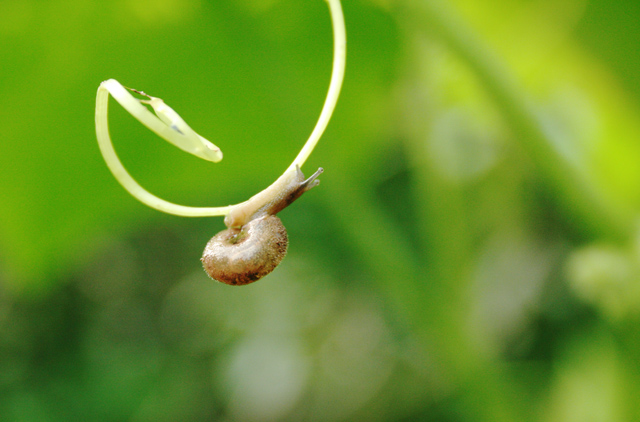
256, 240
244, 255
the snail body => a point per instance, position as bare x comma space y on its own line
255, 241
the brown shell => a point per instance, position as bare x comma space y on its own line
242, 256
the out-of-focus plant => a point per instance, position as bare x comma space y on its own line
472, 254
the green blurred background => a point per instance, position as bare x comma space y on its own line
471, 254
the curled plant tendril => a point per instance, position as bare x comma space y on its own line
252, 225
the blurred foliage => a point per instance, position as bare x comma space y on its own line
472, 253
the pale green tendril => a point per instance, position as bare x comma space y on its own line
167, 124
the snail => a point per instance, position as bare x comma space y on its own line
255, 241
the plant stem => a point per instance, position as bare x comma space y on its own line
337, 76
170, 126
